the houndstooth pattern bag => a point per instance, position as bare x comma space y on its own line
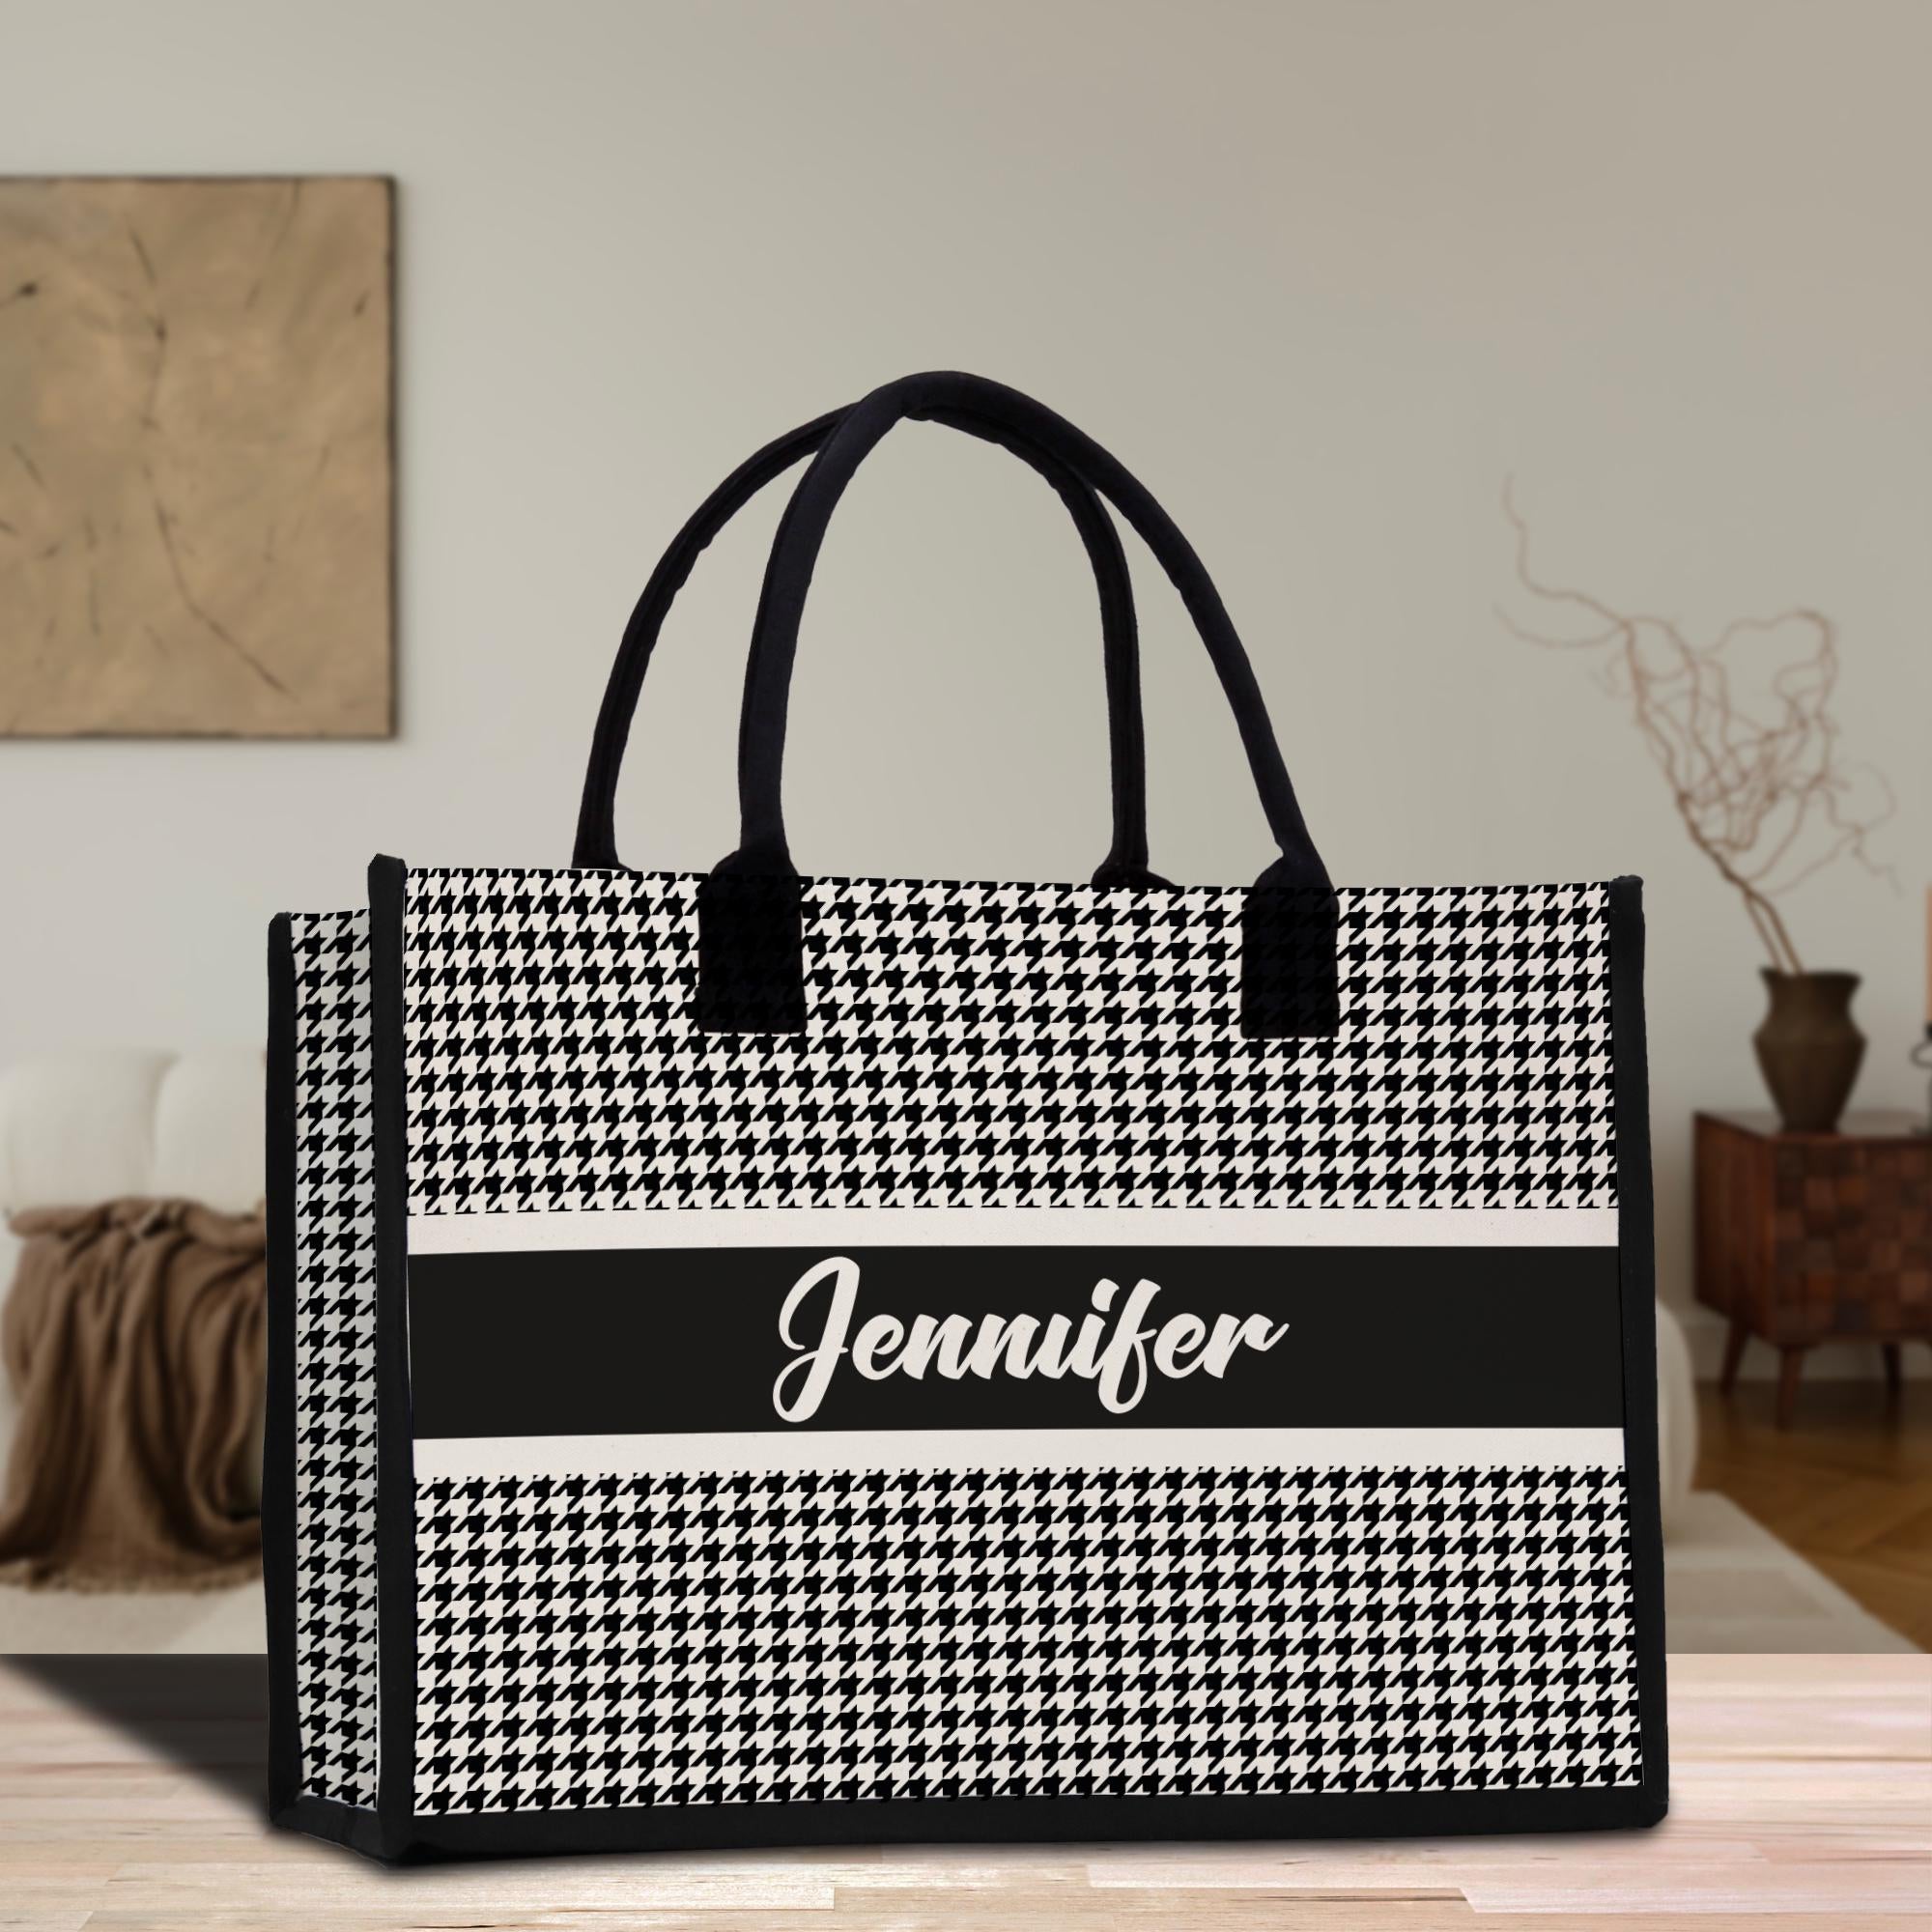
760, 1358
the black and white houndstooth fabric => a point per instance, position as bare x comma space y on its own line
336, 1357
990, 1044
725, 1638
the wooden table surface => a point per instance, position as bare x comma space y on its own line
130, 1796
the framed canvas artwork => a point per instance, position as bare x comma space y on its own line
196, 467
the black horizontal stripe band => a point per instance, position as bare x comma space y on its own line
680, 1341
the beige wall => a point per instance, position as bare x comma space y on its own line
1323, 272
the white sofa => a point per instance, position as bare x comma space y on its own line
80, 1127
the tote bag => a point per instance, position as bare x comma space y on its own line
768, 1358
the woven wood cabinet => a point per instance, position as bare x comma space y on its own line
1805, 1238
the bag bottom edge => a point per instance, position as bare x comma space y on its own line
966, 1821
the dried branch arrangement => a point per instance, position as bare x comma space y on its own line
1742, 730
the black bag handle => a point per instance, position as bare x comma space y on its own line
763, 848
1125, 862
750, 954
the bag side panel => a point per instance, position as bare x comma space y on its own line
336, 1406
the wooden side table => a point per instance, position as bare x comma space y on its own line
1805, 1238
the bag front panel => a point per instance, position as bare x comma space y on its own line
334, 1492
619, 1602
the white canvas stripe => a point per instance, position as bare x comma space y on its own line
835, 1227
777, 1451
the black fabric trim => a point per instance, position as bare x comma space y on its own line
395, 1471
1290, 976
337, 1824
987, 1821
1638, 1277
278, 1447
751, 955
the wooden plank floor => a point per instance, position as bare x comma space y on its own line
130, 1796
1848, 1486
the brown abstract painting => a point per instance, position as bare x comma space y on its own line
195, 458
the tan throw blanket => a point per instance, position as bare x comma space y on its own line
134, 1339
